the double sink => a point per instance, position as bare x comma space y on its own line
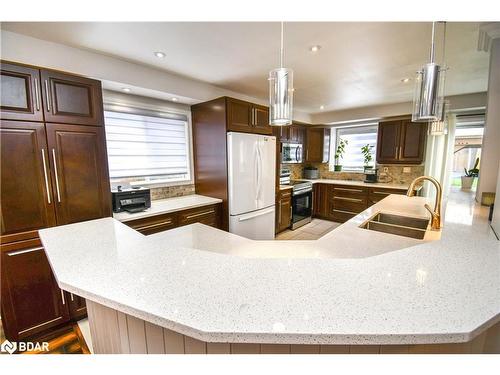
406, 226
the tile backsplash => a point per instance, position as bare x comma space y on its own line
171, 191
394, 173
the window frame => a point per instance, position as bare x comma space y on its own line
155, 111
333, 146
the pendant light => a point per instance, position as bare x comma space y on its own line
429, 89
281, 93
440, 127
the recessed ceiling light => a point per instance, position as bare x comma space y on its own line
321, 107
126, 89
160, 54
405, 80
174, 99
315, 48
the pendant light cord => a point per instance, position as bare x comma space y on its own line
432, 43
281, 49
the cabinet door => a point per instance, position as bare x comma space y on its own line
27, 203
31, 299
71, 99
285, 213
321, 200
208, 215
77, 306
239, 116
314, 145
296, 134
20, 93
413, 136
80, 172
388, 141
261, 120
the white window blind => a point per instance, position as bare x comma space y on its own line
357, 137
148, 147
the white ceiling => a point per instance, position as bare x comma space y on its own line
359, 64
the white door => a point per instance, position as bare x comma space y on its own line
257, 225
251, 172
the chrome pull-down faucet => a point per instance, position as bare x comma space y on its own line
436, 213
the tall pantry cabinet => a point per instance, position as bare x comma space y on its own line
53, 171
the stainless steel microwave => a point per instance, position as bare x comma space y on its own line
291, 153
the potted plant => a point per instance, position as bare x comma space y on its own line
339, 154
367, 155
468, 179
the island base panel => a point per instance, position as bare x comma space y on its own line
114, 332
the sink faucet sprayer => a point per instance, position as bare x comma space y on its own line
436, 214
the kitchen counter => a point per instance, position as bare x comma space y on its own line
164, 206
384, 185
351, 287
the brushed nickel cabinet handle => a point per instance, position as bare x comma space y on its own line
167, 222
380, 192
71, 295
24, 251
348, 199
279, 214
62, 297
345, 212
200, 214
57, 177
47, 95
346, 189
46, 176
37, 98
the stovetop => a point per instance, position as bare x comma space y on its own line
298, 184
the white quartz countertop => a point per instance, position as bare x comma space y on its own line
352, 286
164, 206
384, 185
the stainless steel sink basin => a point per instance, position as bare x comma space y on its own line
407, 226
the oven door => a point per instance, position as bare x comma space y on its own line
291, 153
301, 208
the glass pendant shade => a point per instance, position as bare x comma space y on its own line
280, 97
428, 96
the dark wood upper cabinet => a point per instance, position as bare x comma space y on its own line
79, 171
401, 142
261, 120
388, 141
413, 137
71, 99
239, 116
316, 145
27, 203
31, 299
296, 134
20, 93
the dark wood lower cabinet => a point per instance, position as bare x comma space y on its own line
31, 300
209, 215
341, 203
283, 210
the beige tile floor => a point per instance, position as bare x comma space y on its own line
312, 231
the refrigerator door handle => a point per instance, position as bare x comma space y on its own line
259, 171
256, 214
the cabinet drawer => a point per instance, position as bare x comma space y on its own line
349, 192
339, 215
354, 205
375, 195
154, 224
206, 215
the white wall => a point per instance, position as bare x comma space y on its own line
457, 102
490, 154
113, 71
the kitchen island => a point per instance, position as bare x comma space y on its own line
197, 289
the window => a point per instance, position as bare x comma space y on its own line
356, 137
147, 147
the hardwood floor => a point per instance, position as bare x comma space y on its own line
312, 231
63, 340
